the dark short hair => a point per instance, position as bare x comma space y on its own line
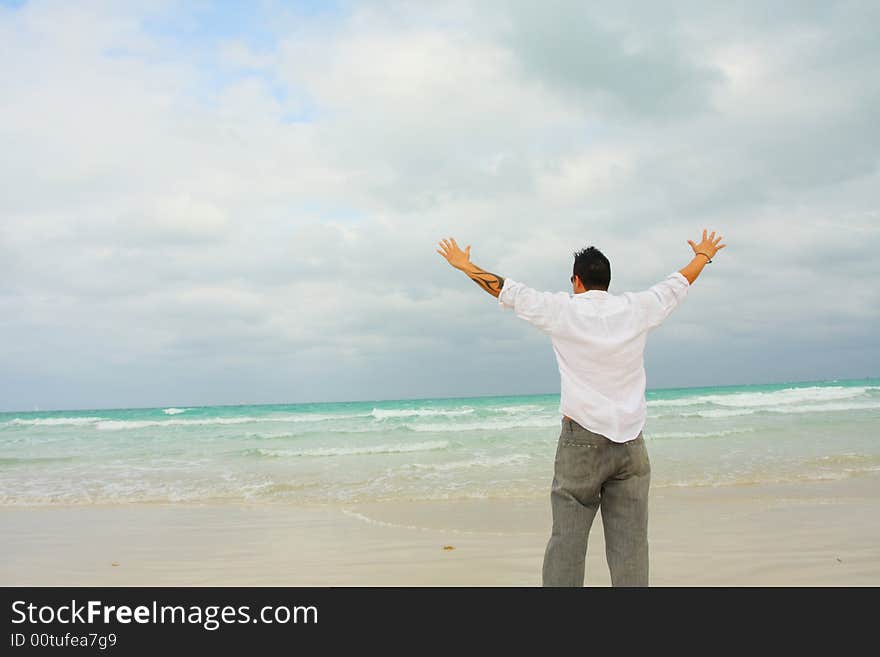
593, 268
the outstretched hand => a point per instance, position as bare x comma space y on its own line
454, 255
709, 245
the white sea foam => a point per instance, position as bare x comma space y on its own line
715, 412
351, 451
751, 479
695, 434
846, 459
782, 410
824, 408
478, 462
319, 417
103, 423
55, 421
174, 411
384, 414
685, 401
489, 424
771, 398
118, 425
525, 408
789, 396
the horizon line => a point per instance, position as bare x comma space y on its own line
361, 401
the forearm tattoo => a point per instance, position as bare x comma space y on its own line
490, 282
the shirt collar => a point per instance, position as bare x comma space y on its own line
593, 294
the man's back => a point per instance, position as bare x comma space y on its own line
599, 342
601, 457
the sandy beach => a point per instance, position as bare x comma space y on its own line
813, 533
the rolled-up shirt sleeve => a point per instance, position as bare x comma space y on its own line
540, 309
658, 301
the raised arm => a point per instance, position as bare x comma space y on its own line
703, 253
461, 260
660, 300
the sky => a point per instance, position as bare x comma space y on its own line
240, 202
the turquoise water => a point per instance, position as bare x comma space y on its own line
424, 449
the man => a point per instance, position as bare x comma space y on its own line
601, 459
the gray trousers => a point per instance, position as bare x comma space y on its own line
593, 472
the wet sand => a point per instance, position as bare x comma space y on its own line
802, 534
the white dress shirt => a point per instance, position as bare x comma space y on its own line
599, 342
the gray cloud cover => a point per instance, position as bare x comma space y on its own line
251, 219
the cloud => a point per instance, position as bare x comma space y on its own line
199, 208
610, 63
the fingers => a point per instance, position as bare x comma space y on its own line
449, 245
710, 238
448, 248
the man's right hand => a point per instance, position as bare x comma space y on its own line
709, 245
454, 255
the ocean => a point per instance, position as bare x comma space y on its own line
426, 449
